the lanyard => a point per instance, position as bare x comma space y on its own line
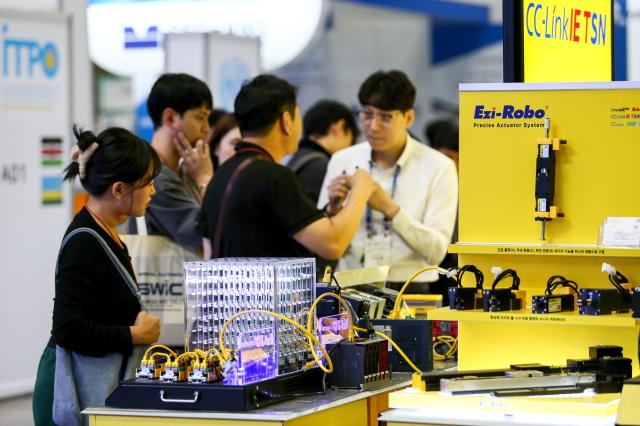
394, 183
106, 228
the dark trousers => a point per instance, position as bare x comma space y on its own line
43, 391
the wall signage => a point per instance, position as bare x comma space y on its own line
569, 40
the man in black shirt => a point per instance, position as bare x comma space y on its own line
256, 207
328, 126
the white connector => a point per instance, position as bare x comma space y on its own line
609, 269
496, 270
450, 273
198, 376
169, 376
145, 372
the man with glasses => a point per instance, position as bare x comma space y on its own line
411, 215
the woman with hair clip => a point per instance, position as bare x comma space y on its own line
96, 308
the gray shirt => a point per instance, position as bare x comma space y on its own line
174, 209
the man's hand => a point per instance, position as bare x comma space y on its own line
330, 237
338, 189
362, 181
382, 202
196, 161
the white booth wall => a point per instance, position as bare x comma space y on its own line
81, 68
26, 303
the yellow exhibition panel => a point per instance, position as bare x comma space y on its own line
548, 344
596, 178
596, 172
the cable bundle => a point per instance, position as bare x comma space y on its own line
515, 283
444, 347
559, 281
479, 276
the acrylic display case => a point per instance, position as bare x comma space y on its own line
219, 288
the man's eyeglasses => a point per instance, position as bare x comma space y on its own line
385, 117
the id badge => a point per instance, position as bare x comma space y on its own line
377, 250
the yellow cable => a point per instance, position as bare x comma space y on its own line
146, 353
216, 353
201, 361
454, 348
312, 312
167, 356
451, 342
396, 306
186, 354
400, 351
314, 340
439, 357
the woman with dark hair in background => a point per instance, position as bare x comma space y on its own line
224, 137
95, 312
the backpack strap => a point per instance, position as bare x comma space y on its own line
298, 163
124, 273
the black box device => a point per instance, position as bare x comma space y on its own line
414, 337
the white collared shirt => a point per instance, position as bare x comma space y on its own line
427, 192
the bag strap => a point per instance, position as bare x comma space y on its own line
297, 164
126, 277
215, 252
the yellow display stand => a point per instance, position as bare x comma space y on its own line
629, 407
434, 408
352, 414
596, 178
340, 407
600, 405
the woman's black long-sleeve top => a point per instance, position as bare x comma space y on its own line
93, 307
